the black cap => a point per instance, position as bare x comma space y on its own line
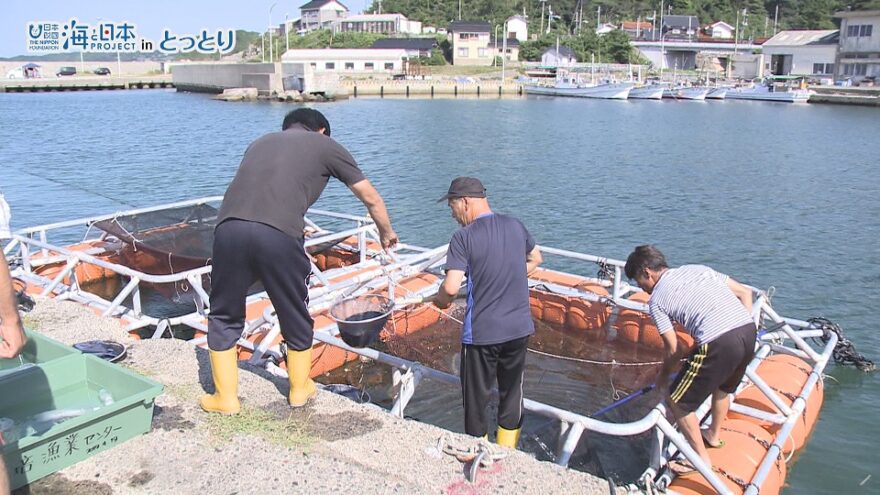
465, 187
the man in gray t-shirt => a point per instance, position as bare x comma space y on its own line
495, 252
259, 236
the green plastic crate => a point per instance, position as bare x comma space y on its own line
38, 349
72, 382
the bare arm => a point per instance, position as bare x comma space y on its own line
10, 323
533, 259
741, 292
672, 356
371, 198
448, 288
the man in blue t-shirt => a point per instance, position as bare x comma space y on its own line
495, 252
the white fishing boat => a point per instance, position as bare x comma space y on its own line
649, 92
571, 87
770, 93
717, 93
686, 92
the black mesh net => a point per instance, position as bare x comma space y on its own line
178, 239
563, 369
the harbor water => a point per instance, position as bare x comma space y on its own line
781, 196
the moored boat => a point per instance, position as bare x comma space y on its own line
648, 92
686, 93
717, 93
767, 93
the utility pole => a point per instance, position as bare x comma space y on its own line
287, 32
662, 52
543, 3
775, 19
504, 54
654, 25
496, 50
736, 33
271, 57
598, 16
459, 10
581, 17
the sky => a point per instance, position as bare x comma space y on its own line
149, 16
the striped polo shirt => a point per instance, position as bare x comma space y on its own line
698, 298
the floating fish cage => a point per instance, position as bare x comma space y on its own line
582, 312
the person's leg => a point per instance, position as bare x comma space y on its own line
230, 278
720, 406
741, 345
689, 426
477, 377
286, 283
4, 478
687, 392
511, 367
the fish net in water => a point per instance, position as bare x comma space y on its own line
170, 240
563, 369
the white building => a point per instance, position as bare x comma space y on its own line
720, 29
517, 27
801, 53
378, 23
354, 60
605, 28
321, 14
859, 48
562, 56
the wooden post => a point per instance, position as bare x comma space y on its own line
455, 90
381, 91
432, 91
407, 90
478, 91
355, 91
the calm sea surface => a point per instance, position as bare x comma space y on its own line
774, 195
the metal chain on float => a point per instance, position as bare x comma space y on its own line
743, 484
845, 351
761, 442
606, 270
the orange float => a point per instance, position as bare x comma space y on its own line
786, 375
745, 446
85, 272
638, 328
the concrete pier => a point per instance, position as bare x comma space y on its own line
867, 96
41, 85
442, 88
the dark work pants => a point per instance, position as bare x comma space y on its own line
245, 252
480, 365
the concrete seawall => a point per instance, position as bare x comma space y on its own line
862, 96
431, 88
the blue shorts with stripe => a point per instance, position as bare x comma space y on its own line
716, 365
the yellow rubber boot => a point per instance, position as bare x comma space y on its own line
224, 370
507, 438
302, 388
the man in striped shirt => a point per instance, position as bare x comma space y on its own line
716, 311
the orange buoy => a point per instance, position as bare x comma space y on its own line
745, 446
786, 375
572, 312
85, 272
638, 328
